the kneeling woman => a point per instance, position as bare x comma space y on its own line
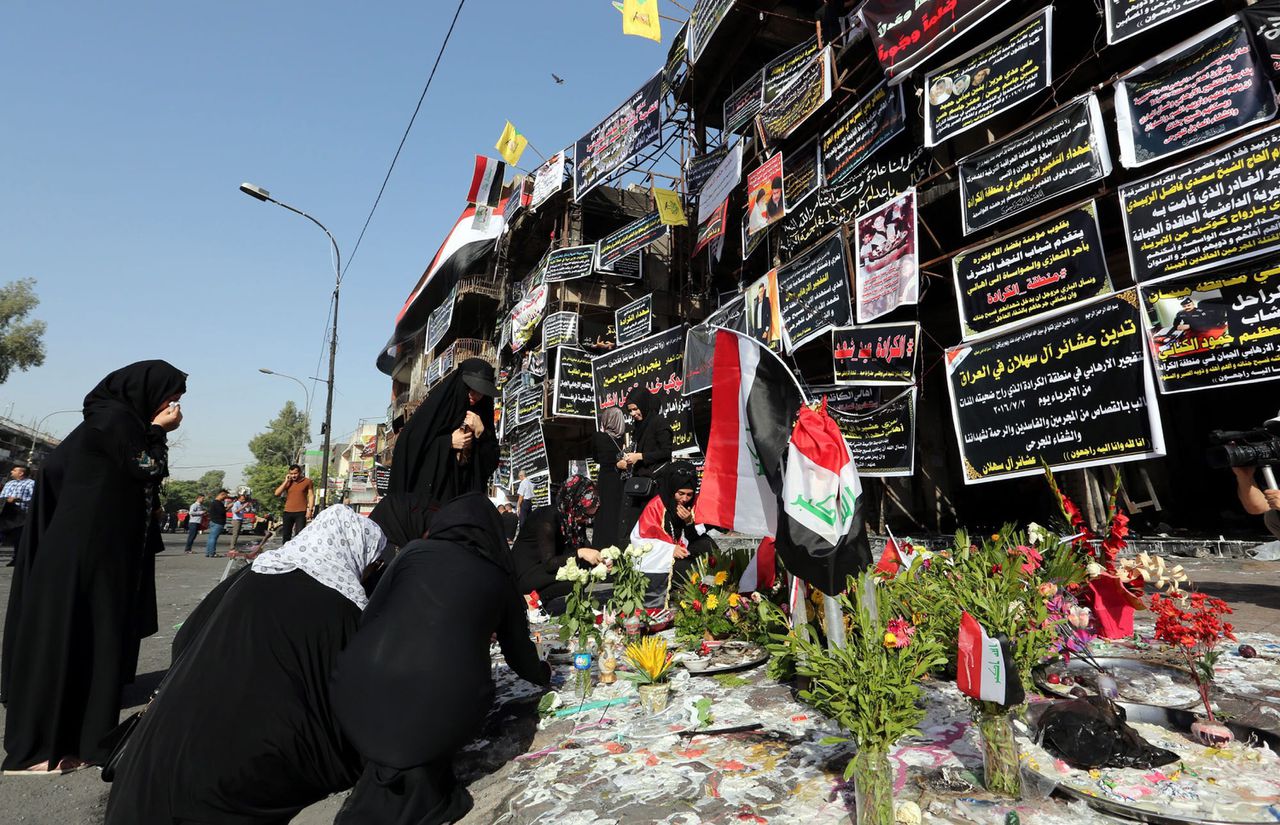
550, 537
242, 730
416, 683
668, 527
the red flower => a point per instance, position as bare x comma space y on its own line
697, 605
703, 588
1031, 558
711, 561
997, 569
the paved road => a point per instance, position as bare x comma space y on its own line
182, 580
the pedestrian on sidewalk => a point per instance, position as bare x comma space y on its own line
195, 516
17, 501
239, 509
217, 523
524, 498
299, 500
83, 594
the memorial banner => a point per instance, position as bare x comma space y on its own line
846, 399
887, 275
786, 67
904, 35
528, 451
713, 227
573, 392
1073, 391
835, 206
529, 405
1054, 264
813, 292
1215, 329
1062, 151
630, 239
800, 98
700, 167
721, 183
883, 442
762, 317
1262, 21
569, 262
801, 174
1007, 70
558, 329
867, 126
764, 195
750, 242
630, 267
1125, 18
441, 319
525, 316
878, 354
634, 321
618, 138
1205, 88
743, 104
703, 22
1213, 209
731, 315
657, 364
699, 358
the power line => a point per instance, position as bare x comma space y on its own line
403, 138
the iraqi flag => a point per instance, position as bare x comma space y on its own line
754, 399
822, 536
651, 532
486, 182
762, 570
984, 669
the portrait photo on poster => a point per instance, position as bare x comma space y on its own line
886, 275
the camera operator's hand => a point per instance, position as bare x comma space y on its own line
1253, 500
1273, 498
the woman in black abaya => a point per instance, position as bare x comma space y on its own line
651, 450
83, 594
242, 731
551, 536
415, 684
609, 446
448, 447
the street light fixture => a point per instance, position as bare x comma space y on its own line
305, 392
258, 193
31, 453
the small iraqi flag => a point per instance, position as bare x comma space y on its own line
486, 182
985, 668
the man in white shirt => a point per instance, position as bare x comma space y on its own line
195, 517
524, 498
238, 509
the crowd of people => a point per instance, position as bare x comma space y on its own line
361, 644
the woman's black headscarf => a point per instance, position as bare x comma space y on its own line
403, 517
420, 462
678, 475
472, 522
640, 397
136, 391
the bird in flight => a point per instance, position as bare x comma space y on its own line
557, 78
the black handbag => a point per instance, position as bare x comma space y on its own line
638, 487
116, 741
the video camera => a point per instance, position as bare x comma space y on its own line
1247, 448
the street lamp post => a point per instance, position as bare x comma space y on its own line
306, 393
261, 194
31, 454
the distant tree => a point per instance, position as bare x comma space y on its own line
285, 437
176, 494
212, 481
21, 344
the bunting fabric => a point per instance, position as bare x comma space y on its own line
651, 532
753, 401
511, 144
762, 570
486, 182
822, 536
984, 669
640, 18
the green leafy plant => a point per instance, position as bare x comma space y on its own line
630, 584
650, 661
710, 606
578, 622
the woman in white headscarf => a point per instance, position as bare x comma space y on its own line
242, 731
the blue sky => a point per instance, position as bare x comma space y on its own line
130, 126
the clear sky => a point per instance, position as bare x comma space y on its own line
129, 127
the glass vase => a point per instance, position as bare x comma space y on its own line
872, 787
582, 682
1001, 766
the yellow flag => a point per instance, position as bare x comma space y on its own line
670, 211
640, 17
511, 144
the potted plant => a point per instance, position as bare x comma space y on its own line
578, 622
651, 671
1192, 624
711, 610
871, 686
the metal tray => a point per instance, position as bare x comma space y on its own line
1123, 669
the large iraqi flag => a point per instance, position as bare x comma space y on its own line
754, 399
822, 536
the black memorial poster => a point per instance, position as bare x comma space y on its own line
618, 138
752, 240
1215, 208
1217, 328
1074, 391
1017, 278
528, 450
1262, 21
630, 239
883, 442
1003, 72
743, 104
700, 167
382, 478
657, 364
846, 399
573, 395
905, 34
813, 292
795, 102
569, 262
558, 329
1200, 90
874, 182
731, 315
786, 67
801, 174
529, 405
875, 354
703, 21
634, 321
1062, 151
699, 357
1125, 18
867, 126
